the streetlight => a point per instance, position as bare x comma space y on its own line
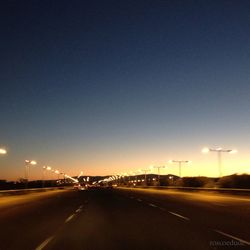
63, 174
3, 151
159, 167
134, 177
27, 169
81, 173
219, 151
58, 173
48, 168
44, 169
179, 163
171, 179
145, 173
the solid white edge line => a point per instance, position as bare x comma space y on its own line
178, 215
233, 237
69, 218
41, 246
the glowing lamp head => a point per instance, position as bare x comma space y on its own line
30, 162
205, 150
170, 161
3, 151
234, 151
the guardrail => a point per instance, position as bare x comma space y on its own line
236, 191
29, 190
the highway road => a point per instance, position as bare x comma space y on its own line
124, 219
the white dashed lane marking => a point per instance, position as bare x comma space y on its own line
70, 218
44, 244
233, 237
178, 215
152, 205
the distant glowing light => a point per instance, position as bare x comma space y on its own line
3, 151
205, 150
234, 151
31, 162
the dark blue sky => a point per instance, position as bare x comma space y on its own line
109, 82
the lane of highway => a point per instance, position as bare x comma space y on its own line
25, 220
125, 219
226, 214
115, 221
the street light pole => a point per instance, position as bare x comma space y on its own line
219, 151
145, 173
44, 170
179, 164
219, 163
172, 180
159, 167
58, 174
27, 169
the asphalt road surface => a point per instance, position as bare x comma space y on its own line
124, 219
